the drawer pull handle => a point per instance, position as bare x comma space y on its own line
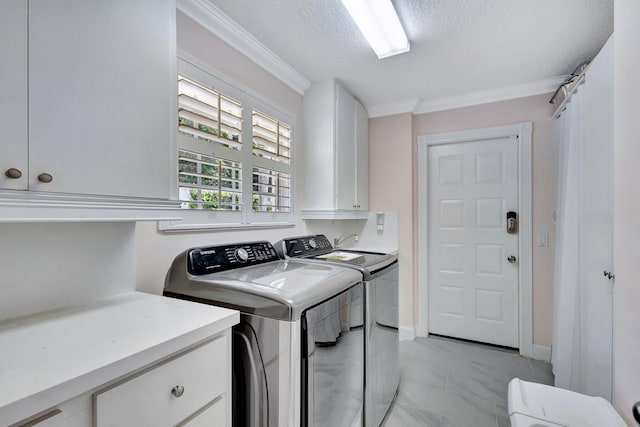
45, 177
13, 173
177, 391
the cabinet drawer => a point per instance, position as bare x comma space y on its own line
149, 399
213, 416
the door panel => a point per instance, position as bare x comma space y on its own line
473, 289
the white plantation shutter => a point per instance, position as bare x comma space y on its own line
206, 182
271, 138
271, 191
217, 169
207, 115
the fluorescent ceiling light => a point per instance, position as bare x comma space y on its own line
379, 23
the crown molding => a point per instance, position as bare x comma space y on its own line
418, 106
214, 20
494, 95
398, 107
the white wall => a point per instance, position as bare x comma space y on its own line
48, 266
626, 296
156, 250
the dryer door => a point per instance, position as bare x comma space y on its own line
251, 406
333, 361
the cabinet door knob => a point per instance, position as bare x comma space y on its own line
13, 173
177, 391
45, 177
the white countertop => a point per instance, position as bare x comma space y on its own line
49, 358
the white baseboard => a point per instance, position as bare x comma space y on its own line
407, 333
541, 352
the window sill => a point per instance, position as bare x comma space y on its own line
176, 226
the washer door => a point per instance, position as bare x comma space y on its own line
251, 406
333, 361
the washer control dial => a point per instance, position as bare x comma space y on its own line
241, 254
313, 244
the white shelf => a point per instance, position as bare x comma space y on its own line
49, 358
334, 214
31, 206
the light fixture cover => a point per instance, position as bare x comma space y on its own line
380, 25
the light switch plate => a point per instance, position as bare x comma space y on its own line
543, 240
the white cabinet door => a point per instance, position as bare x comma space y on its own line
101, 85
362, 158
345, 191
13, 94
336, 138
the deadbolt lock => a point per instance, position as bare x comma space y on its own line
512, 222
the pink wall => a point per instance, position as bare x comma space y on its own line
388, 146
626, 291
208, 48
544, 164
390, 189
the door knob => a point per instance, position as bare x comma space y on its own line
512, 259
609, 275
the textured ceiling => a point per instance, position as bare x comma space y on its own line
458, 47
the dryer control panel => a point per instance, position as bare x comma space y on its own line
304, 246
214, 259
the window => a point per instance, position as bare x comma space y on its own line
208, 182
207, 115
271, 191
218, 171
271, 138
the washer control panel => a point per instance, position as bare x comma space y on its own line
213, 259
305, 246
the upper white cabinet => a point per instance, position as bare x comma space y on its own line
87, 99
335, 154
13, 93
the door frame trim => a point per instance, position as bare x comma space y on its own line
522, 131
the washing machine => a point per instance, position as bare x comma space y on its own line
380, 275
298, 355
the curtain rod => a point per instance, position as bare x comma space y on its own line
567, 89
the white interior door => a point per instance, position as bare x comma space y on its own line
473, 287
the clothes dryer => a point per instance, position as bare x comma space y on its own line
298, 349
380, 274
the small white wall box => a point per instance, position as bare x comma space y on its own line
380, 221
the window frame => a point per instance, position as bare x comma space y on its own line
195, 219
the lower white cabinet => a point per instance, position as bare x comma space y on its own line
54, 418
132, 360
214, 415
187, 390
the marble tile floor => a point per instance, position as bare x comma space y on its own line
451, 383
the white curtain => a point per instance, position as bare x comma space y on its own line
582, 307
